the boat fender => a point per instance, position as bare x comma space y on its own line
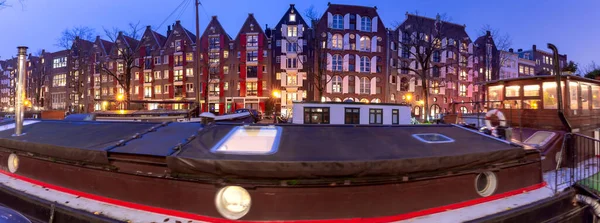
488, 117
589, 201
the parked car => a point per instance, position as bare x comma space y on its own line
255, 114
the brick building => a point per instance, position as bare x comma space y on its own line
250, 86
452, 76
216, 52
98, 53
290, 40
544, 61
354, 41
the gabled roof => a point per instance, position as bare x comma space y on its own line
84, 44
180, 28
452, 30
214, 22
104, 45
128, 41
155, 37
285, 18
250, 20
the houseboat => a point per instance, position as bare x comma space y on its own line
530, 108
89, 171
354, 113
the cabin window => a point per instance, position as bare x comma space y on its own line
574, 96
375, 116
314, 115
395, 116
550, 97
532, 104
495, 96
531, 90
417, 111
512, 104
432, 138
250, 140
512, 91
585, 97
352, 116
595, 97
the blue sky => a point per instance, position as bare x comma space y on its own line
568, 24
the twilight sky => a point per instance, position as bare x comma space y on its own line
568, 24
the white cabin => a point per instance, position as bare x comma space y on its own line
353, 113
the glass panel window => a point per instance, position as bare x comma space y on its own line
337, 84
313, 115
365, 85
595, 97
252, 41
59, 80
365, 24
365, 43
337, 41
532, 104
512, 104
395, 117
189, 57
178, 75
352, 116
338, 22
365, 64
512, 91
574, 95
336, 63
251, 88
585, 96
214, 43
531, 90
292, 30
375, 116
550, 98
252, 56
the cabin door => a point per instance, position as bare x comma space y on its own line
596, 143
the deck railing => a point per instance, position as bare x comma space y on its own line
579, 163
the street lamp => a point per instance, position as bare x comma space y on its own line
276, 95
120, 98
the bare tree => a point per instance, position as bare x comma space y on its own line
318, 64
503, 42
38, 79
124, 56
423, 43
3, 3
134, 30
68, 35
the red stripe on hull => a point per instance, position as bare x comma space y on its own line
213, 219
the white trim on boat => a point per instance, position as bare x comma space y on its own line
12, 125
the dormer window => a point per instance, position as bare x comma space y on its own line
292, 17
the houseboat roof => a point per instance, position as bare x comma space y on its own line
261, 151
544, 77
350, 103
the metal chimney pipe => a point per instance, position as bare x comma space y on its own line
19, 109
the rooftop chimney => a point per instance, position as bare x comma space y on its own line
510, 50
488, 33
534, 48
121, 32
168, 30
214, 17
292, 5
520, 50
43, 51
178, 22
147, 27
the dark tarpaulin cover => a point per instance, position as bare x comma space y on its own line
160, 142
313, 151
77, 141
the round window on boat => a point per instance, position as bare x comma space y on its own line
486, 183
13, 163
233, 202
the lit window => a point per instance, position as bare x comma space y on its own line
531, 90
59, 80
337, 41
189, 87
292, 31
251, 40
574, 95
512, 91
292, 17
550, 101
462, 90
189, 57
157, 89
189, 72
365, 86
337, 84
365, 43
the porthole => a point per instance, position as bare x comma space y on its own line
486, 183
233, 202
13, 163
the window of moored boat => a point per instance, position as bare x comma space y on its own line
395, 117
250, 140
316, 115
433, 138
375, 116
352, 116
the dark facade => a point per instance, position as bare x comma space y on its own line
452, 75
489, 58
215, 51
544, 61
290, 40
